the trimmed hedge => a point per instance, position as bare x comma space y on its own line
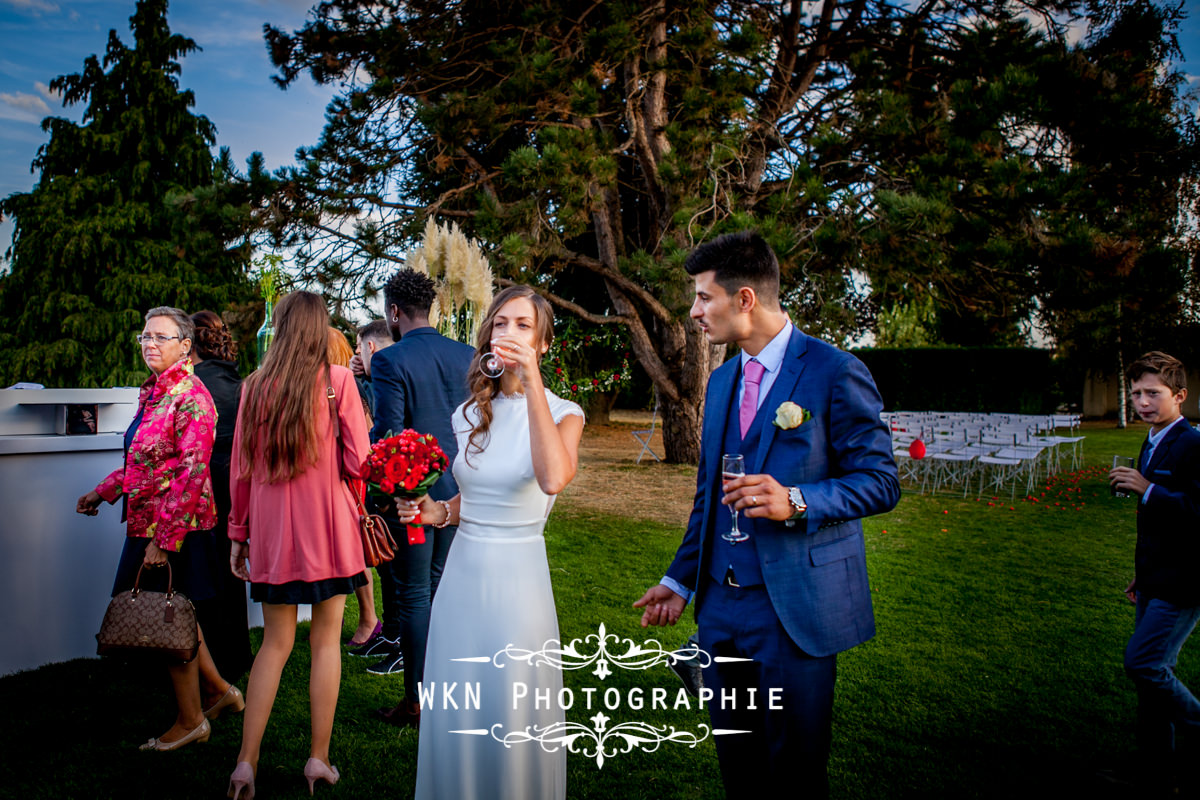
1018, 380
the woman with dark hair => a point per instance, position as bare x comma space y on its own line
224, 616
518, 448
294, 522
169, 509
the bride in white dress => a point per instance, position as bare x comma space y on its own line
518, 447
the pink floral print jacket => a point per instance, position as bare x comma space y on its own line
166, 474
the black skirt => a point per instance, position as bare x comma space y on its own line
191, 567
295, 593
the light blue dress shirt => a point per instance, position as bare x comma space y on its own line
771, 357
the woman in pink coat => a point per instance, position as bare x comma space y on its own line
293, 522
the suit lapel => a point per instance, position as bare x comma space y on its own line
720, 401
783, 389
1164, 447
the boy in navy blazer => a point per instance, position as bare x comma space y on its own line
806, 418
1165, 586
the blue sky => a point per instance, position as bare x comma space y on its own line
230, 76
41, 39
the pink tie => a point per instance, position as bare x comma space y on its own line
753, 377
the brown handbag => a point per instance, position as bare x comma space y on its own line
378, 544
141, 622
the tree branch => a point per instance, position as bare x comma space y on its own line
567, 305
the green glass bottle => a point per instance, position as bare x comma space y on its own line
266, 334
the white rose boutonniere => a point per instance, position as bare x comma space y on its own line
789, 415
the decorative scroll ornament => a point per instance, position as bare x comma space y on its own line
600, 649
599, 741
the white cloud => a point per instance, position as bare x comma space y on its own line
290, 5
35, 7
21, 101
49, 94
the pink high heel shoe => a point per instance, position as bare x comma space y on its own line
241, 780
317, 770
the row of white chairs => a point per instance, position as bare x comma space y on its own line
991, 453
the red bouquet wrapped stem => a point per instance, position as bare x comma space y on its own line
405, 465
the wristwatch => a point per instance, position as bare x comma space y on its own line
796, 498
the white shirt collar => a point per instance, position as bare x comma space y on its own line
1155, 438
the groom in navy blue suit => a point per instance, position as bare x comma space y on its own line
805, 416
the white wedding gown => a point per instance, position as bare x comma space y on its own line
495, 593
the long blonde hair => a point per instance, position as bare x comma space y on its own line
483, 388
283, 398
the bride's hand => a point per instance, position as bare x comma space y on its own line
519, 356
421, 511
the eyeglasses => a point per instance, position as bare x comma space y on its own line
155, 338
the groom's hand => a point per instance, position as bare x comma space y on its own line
758, 496
663, 606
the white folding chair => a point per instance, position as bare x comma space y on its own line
644, 435
997, 473
952, 468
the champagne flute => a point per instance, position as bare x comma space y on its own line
491, 365
733, 465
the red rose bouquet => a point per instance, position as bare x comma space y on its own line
405, 465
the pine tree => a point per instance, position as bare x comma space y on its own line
130, 211
1119, 264
594, 144
1017, 179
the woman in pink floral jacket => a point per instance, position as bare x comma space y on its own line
169, 508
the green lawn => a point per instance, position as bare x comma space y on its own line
996, 671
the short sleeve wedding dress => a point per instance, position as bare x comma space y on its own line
495, 592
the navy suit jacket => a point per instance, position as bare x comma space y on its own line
814, 571
1168, 523
418, 382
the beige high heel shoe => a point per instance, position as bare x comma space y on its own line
317, 770
231, 699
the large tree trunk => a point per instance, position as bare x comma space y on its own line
683, 415
600, 406
681, 424
1122, 397
678, 358
682, 407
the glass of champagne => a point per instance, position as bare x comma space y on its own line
733, 465
491, 365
